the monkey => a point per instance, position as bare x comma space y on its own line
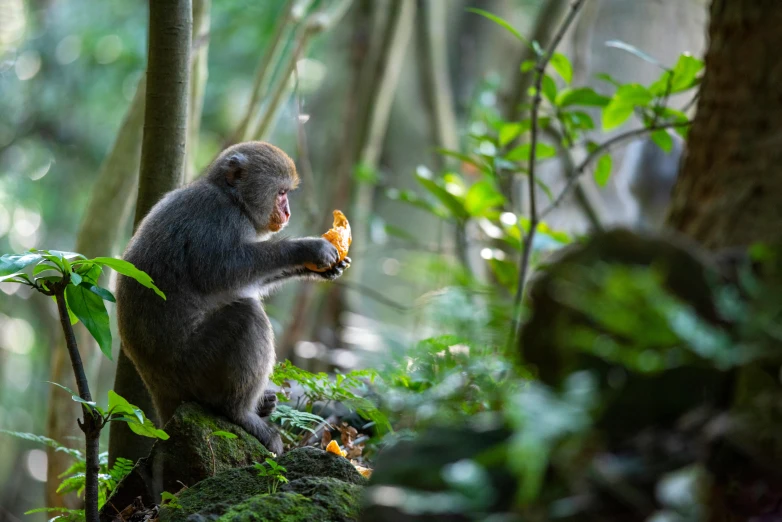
651, 174
210, 247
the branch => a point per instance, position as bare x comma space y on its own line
619, 138
540, 68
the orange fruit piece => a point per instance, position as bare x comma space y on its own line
339, 235
334, 448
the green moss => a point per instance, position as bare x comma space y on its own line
313, 462
305, 500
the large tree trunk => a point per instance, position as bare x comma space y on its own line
728, 194
162, 166
730, 187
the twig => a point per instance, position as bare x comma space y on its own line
540, 68
619, 138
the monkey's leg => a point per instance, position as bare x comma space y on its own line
232, 355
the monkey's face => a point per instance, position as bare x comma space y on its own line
281, 211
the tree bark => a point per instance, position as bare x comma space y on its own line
113, 190
730, 186
162, 166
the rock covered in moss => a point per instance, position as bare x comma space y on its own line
190, 454
321, 487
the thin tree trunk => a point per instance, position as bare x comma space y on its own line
730, 187
162, 165
114, 189
199, 73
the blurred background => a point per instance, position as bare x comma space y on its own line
377, 91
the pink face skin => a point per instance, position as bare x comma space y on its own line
281, 213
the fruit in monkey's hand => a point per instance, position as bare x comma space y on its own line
339, 236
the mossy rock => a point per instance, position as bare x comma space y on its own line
322, 487
188, 456
303, 500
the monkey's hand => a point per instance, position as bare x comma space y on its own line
320, 253
335, 271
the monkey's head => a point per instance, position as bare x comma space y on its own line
258, 176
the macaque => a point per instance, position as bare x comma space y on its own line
209, 247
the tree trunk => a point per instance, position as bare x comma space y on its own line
729, 190
727, 195
162, 166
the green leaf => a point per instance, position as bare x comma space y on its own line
128, 270
549, 88
681, 78
481, 197
616, 115
581, 96
618, 44
633, 94
522, 152
499, 21
528, 65
562, 65
91, 311
608, 78
453, 203
511, 131
18, 277
89, 271
91, 405
40, 439
224, 434
118, 404
147, 430
663, 140
603, 169
75, 279
15, 263
99, 291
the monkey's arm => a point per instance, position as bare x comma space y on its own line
228, 266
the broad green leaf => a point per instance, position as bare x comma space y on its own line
579, 120
481, 197
562, 65
75, 279
549, 88
663, 140
608, 78
127, 269
10, 264
522, 152
511, 131
99, 291
224, 434
89, 271
603, 170
91, 311
507, 273
499, 21
147, 429
528, 65
413, 199
118, 404
581, 96
18, 277
633, 94
616, 115
617, 44
43, 267
451, 202
681, 78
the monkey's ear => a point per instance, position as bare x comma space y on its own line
234, 167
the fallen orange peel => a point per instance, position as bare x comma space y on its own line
334, 448
339, 235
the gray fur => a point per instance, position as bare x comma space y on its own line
208, 248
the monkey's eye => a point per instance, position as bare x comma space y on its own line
282, 192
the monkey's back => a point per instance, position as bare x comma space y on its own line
174, 245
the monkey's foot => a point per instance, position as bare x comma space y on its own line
267, 404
